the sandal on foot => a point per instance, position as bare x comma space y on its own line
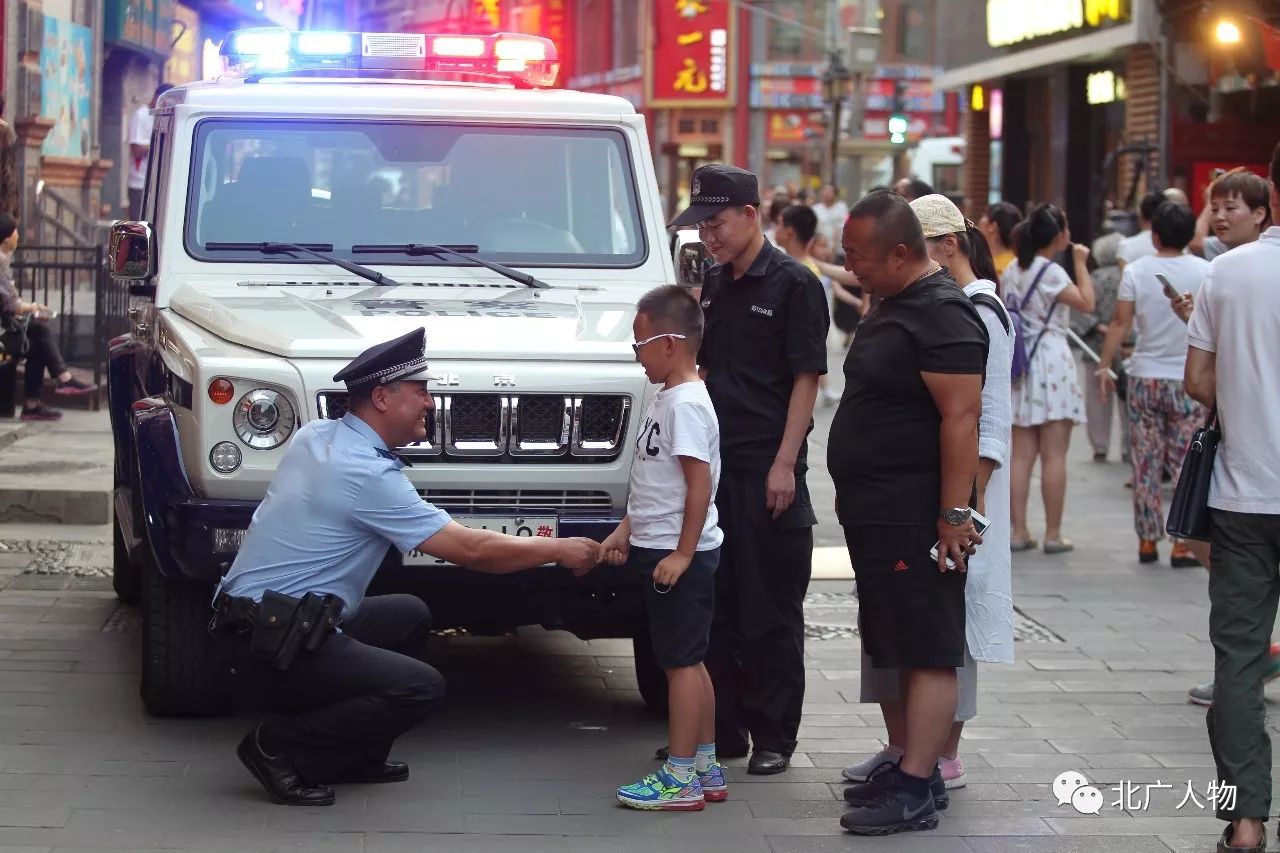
1062, 546
1024, 545
1225, 845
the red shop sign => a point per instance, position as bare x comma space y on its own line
688, 61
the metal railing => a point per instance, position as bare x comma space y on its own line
92, 307
61, 221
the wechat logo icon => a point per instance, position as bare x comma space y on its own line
1074, 789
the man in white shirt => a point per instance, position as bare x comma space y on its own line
1140, 245
832, 212
1234, 361
140, 125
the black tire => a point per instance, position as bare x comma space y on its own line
126, 574
182, 672
649, 676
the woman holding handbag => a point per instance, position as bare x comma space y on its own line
1047, 401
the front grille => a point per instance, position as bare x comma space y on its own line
541, 417
475, 417
461, 501
514, 427
602, 418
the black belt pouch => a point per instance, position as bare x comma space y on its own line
276, 632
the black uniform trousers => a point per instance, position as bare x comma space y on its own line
756, 655
341, 707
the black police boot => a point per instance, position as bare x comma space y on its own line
766, 763
279, 777
386, 771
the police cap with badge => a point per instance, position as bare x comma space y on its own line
398, 360
716, 187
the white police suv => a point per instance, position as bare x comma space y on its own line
335, 190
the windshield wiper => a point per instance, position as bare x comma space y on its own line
461, 251
317, 250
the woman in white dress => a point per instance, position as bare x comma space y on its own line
1047, 401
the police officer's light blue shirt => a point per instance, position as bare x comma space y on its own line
328, 516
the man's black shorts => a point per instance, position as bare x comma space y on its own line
680, 619
910, 615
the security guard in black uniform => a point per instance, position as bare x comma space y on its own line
302, 638
764, 348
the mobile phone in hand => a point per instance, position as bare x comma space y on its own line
1169, 290
979, 522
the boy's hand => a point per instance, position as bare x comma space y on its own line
671, 568
615, 549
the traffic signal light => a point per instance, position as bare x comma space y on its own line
898, 125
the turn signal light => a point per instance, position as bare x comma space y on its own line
221, 391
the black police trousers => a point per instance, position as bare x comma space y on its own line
341, 707
756, 656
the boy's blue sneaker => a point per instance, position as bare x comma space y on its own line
714, 787
663, 792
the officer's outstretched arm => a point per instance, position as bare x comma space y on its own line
497, 553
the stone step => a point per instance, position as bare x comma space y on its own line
57, 472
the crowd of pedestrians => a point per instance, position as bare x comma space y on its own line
963, 369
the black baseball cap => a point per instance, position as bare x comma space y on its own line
715, 187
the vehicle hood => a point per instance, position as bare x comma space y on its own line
561, 323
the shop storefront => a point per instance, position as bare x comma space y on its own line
1063, 103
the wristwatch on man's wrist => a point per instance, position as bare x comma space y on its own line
957, 516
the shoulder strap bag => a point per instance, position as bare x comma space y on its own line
1189, 509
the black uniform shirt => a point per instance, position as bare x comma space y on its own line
883, 453
761, 330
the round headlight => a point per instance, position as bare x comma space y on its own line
224, 457
263, 419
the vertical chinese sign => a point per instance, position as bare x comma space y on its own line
688, 61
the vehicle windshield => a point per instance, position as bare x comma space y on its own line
525, 196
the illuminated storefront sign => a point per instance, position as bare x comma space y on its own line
1013, 21
688, 60
1105, 87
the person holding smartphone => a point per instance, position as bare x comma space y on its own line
903, 456
959, 246
1161, 415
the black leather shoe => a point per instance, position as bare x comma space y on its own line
388, 771
662, 753
766, 763
279, 777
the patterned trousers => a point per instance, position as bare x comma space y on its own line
1162, 419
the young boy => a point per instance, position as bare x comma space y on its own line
670, 535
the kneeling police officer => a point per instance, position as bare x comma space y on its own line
302, 639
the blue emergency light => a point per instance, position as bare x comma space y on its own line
522, 59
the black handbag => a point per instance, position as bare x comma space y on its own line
13, 335
1189, 509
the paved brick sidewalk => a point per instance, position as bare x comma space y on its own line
540, 728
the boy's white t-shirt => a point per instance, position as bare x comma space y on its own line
1161, 352
680, 422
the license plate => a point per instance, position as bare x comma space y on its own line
547, 527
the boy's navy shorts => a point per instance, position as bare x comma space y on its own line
680, 619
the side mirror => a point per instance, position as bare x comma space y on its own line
131, 251
691, 258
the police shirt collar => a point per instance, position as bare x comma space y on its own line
763, 259
357, 424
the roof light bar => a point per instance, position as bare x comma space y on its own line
529, 60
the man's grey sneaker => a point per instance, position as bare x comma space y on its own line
1201, 694
894, 810
878, 763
